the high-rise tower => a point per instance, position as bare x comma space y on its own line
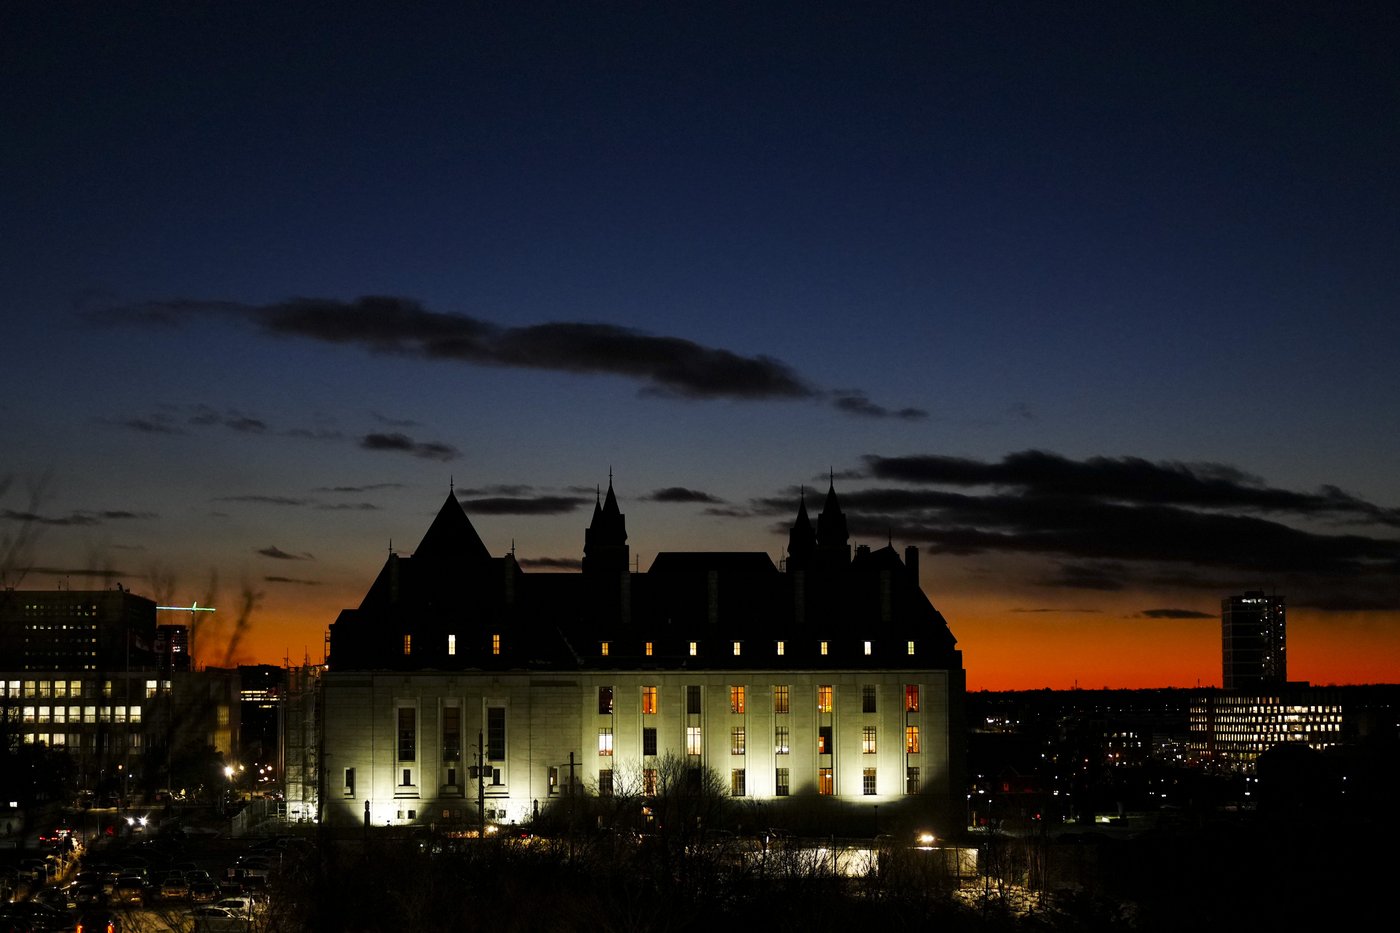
1252, 635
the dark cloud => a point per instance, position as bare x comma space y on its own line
428, 450
679, 494
275, 579
1176, 614
347, 507
1111, 524
78, 519
204, 416
107, 574
516, 505
273, 550
502, 490
665, 366
854, 402
150, 426
550, 563
727, 512
370, 487
1057, 611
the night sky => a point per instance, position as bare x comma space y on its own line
1096, 304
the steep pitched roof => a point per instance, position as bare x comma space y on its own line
451, 536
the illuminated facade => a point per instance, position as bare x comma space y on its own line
463, 688
1232, 729
79, 671
1252, 629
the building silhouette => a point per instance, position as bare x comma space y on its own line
1252, 628
466, 690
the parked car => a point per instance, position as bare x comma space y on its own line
129, 889
204, 892
173, 887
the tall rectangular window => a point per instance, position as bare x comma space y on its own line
451, 733
736, 699
649, 700
867, 741
782, 648
496, 733
911, 780
867, 649
825, 784
780, 698
780, 740
693, 745
736, 649
780, 783
824, 741
605, 701
649, 740
496, 644
911, 739
604, 648
407, 645
692, 698
408, 733
349, 782
647, 649
605, 741
451, 645
823, 649
737, 782
649, 782
824, 698
605, 782
737, 741
867, 782
867, 698
909, 648
911, 698
694, 648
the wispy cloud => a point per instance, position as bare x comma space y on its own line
76, 519
522, 505
662, 365
276, 579
428, 450
1175, 614
680, 494
274, 551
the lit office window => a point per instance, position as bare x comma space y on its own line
604, 649
823, 649
782, 648
911, 698
780, 698
736, 698
824, 698
693, 745
867, 649
736, 649
910, 648
648, 649
737, 741
649, 700
825, 785
780, 741
605, 741
451, 644
407, 645
911, 739
496, 644
694, 647
867, 741
867, 782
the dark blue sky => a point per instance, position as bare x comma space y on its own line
723, 248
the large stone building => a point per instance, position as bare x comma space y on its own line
465, 689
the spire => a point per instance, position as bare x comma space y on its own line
605, 540
802, 539
833, 539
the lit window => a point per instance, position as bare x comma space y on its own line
910, 648
737, 782
736, 699
693, 648
780, 698
605, 701
736, 649
605, 741
867, 649
824, 698
911, 780
867, 782
780, 783
867, 741
495, 644
649, 700
824, 783
604, 650
648, 649
780, 740
451, 644
824, 744
911, 739
782, 648
911, 698
823, 648
649, 782
407, 644
737, 741
692, 740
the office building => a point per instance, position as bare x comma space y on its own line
1252, 630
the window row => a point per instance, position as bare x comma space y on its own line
738, 704
78, 689
738, 740
738, 781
